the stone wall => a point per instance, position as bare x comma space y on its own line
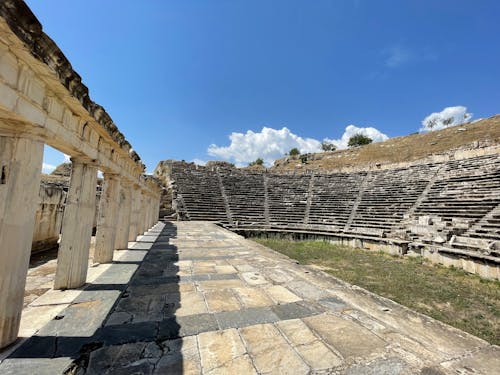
49, 213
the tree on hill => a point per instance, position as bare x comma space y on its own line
359, 140
294, 152
258, 161
328, 146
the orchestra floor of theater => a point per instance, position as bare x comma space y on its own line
194, 298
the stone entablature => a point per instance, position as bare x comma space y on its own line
29, 30
36, 101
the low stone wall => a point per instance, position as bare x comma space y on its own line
436, 255
48, 219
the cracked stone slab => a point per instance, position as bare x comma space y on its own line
127, 333
348, 338
224, 351
43, 366
333, 304
294, 310
246, 317
187, 326
122, 359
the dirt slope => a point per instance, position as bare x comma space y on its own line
482, 133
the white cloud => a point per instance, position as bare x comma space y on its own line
450, 116
271, 144
199, 161
397, 56
47, 168
268, 144
350, 130
67, 158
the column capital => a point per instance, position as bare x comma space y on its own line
84, 160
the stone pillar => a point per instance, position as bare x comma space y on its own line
140, 215
144, 213
156, 208
107, 219
125, 210
20, 167
73, 256
150, 212
135, 194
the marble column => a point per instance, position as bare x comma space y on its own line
134, 214
107, 219
20, 168
73, 256
125, 210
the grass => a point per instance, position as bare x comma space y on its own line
450, 295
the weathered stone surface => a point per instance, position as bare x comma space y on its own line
253, 297
294, 310
281, 295
390, 366
222, 348
122, 359
270, 351
348, 338
244, 318
221, 300
350, 331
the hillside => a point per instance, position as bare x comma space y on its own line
478, 134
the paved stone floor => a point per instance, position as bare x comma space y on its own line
193, 298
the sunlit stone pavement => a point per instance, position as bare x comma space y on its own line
193, 298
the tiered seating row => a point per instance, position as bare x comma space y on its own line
453, 199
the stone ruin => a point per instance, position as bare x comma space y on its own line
43, 101
447, 211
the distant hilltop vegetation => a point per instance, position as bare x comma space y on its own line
469, 136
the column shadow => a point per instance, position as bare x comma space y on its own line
139, 334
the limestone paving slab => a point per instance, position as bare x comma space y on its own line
193, 298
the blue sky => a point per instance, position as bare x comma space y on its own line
179, 76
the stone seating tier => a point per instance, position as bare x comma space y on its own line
457, 194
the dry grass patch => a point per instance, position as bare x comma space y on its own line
450, 295
406, 149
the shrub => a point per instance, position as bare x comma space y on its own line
327, 146
294, 152
359, 140
258, 161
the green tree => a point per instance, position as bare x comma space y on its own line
258, 161
327, 146
359, 140
294, 152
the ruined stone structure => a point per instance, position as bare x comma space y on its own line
50, 211
49, 214
448, 211
43, 101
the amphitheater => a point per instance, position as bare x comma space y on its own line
155, 273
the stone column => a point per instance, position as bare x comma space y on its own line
140, 215
107, 219
135, 194
144, 213
125, 210
150, 212
156, 207
73, 256
20, 167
